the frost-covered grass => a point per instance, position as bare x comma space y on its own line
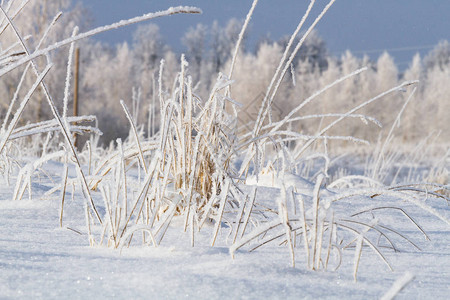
41, 260
199, 189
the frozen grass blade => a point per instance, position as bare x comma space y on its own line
241, 36
249, 211
136, 136
315, 239
253, 235
330, 242
402, 211
398, 285
367, 241
218, 219
68, 76
14, 121
14, 15
239, 219
308, 143
305, 233
357, 258
271, 95
389, 136
282, 60
64, 130
63, 190
149, 16
283, 215
143, 191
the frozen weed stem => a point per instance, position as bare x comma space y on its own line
189, 175
326, 230
9, 63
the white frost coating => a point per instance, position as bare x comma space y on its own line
254, 234
249, 210
19, 111
52, 125
389, 136
14, 15
293, 74
284, 218
347, 180
398, 285
68, 77
359, 244
404, 84
314, 236
363, 118
161, 206
315, 95
270, 179
132, 230
357, 257
64, 129
296, 49
269, 88
136, 136
16, 94
223, 197
167, 12
241, 36
370, 192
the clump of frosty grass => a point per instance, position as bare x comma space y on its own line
187, 170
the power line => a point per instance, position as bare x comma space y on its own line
399, 49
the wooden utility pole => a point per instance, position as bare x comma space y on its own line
75, 87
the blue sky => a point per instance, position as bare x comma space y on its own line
403, 27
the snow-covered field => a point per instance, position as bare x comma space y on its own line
197, 208
40, 260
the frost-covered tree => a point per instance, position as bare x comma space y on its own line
387, 72
386, 109
148, 49
107, 79
330, 101
109, 73
436, 96
415, 69
349, 89
252, 75
33, 21
413, 121
438, 57
307, 81
313, 50
194, 40
223, 41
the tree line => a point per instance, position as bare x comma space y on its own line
130, 71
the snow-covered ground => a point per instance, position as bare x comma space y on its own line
147, 199
40, 260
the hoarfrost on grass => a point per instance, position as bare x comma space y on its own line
181, 187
